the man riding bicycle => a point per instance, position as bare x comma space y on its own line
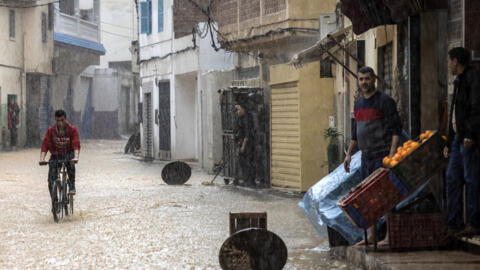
63, 142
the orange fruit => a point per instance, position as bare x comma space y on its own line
399, 149
397, 157
393, 163
386, 161
414, 145
423, 136
444, 137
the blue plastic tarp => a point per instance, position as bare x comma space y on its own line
320, 201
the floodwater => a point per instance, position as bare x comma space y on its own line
126, 217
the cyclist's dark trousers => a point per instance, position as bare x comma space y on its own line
53, 173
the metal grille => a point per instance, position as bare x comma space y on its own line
254, 98
147, 126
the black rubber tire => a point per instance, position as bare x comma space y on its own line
57, 205
54, 201
70, 200
65, 199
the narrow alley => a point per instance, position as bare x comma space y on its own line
127, 217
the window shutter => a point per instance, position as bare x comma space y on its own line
149, 17
144, 17
160, 15
12, 23
44, 27
51, 14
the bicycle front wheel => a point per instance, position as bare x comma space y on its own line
60, 198
57, 197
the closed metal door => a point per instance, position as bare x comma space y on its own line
164, 120
147, 126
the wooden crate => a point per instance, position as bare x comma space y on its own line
373, 198
245, 220
423, 163
407, 230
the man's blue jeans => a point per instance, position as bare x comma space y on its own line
463, 169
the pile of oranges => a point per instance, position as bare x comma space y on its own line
426, 135
404, 150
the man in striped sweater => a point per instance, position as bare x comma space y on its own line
376, 129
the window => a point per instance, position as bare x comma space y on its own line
146, 17
12, 23
385, 67
51, 14
160, 15
44, 27
326, 68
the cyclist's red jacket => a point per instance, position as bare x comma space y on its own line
60, 145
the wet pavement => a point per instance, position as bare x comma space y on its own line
126, 217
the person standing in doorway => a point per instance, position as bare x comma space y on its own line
13, 121
463, 146
245, 141
376, 129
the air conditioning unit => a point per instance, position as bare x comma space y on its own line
328, 24
475, 55
85, 4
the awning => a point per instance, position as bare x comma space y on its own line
326, 47
367, 14
317, 51
95, 47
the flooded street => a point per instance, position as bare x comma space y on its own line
127, 217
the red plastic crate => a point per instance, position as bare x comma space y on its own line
416, 230
373, 198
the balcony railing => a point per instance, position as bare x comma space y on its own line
76, 27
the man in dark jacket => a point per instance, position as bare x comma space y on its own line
376, 129
245, 137
463, 145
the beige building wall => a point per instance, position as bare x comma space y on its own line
301, 103
23, 53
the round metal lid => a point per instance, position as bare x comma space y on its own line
176, 173
253, 248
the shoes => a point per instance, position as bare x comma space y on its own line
72, 190
469, 232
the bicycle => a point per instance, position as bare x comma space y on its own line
62, 201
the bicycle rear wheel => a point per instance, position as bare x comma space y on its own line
65, 199
70, 200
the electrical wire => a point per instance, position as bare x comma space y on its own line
29, 6
116, 25
130, 38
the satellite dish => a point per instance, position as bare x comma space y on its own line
176, 173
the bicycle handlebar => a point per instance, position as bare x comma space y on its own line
60, 161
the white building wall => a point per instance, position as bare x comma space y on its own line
165, 58
105, 94
185, 117
118, 29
